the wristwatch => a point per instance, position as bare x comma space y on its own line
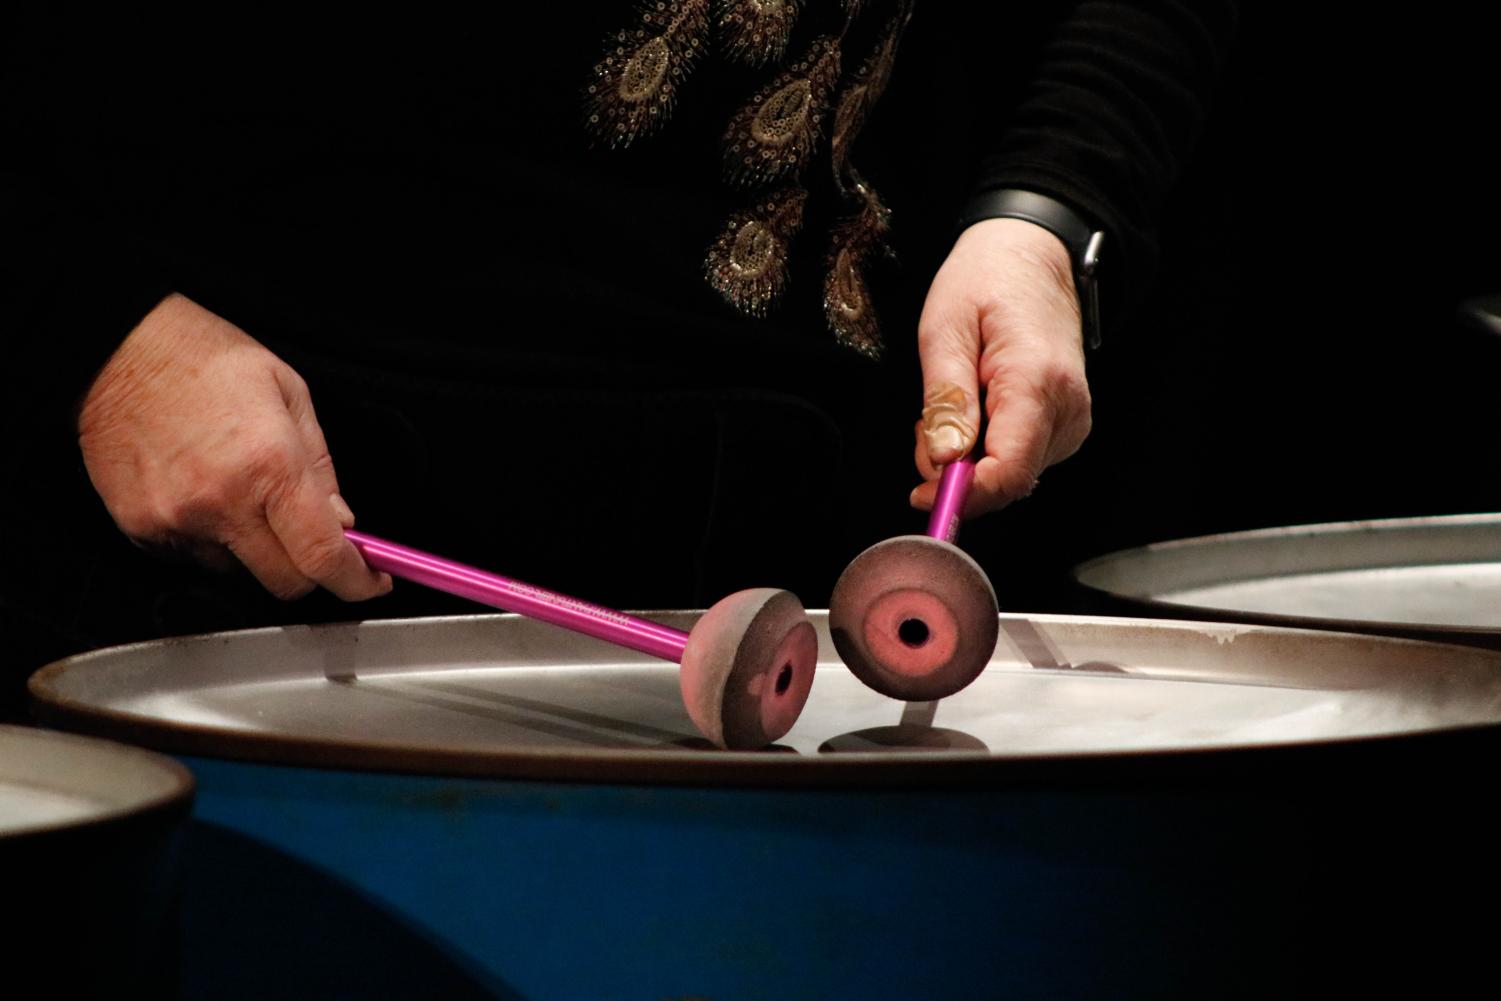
1082, 240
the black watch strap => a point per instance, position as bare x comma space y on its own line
1082, 240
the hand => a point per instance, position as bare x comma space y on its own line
1001, 312
198, 438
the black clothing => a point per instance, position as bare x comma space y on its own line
413, 217
347, 184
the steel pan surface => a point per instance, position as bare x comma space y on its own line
506, 696
1427, 578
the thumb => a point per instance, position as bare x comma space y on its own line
949, 349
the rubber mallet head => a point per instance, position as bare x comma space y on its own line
748, 667
915, 618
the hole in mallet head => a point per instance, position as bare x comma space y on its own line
913, 632
784, 678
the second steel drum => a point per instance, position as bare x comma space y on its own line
1428, 578
89, 860
488, 808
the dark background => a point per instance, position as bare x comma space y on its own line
1300, 360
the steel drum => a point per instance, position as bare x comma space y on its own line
487, 807
88, 832
1425, 578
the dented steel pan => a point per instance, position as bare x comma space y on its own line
1435, 578
487, 807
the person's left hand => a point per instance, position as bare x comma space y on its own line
1001, 313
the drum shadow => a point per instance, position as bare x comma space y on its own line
550, 719
1037, 650
258, 923
914, 732
555, 712
702, 744
902, 737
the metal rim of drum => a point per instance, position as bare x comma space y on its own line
1482, 636
909, 565
174, 799
1085, 767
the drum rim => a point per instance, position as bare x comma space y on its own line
1488, 637
173, 802
608, 766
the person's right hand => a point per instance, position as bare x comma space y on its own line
200, 439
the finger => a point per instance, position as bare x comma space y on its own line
341, 511
948, 344
1017, 442
300, 407
305, 522
257, 547
925, 466
299, 403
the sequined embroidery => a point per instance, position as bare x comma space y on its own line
756, 32
633, 89
747, 264
777, 132
769, 143
848, 310
859, 238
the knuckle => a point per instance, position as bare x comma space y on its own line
1060, 382
204, 504
272, 464
138, 520
1083, 425
293, 385
1016, 480
322, 463
320, 558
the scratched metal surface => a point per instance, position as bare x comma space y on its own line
1437, 578
501, 695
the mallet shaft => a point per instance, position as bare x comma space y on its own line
948, 506
525, 599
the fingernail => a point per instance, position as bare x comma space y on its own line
341, 510
946, 429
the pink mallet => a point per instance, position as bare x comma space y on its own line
747, 664
914, 617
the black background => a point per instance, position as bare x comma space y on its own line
1301, 359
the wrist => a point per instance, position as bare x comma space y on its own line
1081, 239
1038, 246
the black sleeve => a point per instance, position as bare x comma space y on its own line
1117, 101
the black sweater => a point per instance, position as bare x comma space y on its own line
384, 192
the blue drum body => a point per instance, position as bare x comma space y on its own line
574, 891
